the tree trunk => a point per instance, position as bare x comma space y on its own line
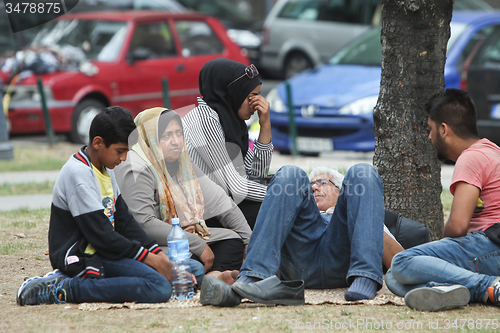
414, 40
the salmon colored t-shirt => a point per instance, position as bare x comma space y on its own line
479, 165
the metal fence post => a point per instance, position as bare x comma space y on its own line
6, 149
166, 97
292, 127
48, 123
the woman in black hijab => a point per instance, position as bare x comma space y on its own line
217, 136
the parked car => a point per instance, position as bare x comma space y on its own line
132, 51
241, 27
300, 34
333, 103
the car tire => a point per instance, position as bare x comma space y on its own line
296, 63
84, 113
309, 154
284, 151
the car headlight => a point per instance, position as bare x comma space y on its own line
244, 38
20, 93
361, 106
274, 99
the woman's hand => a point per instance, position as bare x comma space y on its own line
189, 228
262, 106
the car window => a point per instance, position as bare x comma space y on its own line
306, 10
489, 50
472, 46
223, 9
100, 40
367, 49
158, 4
197, 38
471, 5
154, 40
347, 11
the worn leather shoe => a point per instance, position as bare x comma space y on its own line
272, 291
215, 292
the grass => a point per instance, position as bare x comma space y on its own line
446, 199
9, 249
35, 158
28, 188
20, 231
24, 213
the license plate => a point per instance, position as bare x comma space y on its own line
314, 144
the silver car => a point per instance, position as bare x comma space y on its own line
300, 34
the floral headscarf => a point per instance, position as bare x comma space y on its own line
184, 200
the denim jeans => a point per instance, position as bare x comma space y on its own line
127, 280
472, 261
290, 233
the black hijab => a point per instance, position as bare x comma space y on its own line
226, 100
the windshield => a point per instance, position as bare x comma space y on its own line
367, 50
100, 40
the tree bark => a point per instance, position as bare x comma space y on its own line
414, 40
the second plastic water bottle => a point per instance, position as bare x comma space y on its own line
178, 252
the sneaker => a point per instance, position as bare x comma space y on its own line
494, 293
43, 289
437, 298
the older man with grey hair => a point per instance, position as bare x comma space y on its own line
326, 231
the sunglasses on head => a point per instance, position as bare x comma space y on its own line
322, 182
250, 71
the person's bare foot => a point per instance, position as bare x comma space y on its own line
228, 277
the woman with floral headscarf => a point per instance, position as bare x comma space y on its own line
158, 182
217, 135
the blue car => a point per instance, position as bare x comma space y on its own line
333, 103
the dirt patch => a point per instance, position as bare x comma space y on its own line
23, 248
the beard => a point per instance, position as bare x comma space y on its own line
440, 147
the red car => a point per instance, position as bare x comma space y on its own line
129, 52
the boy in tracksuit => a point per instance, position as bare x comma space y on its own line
98, 249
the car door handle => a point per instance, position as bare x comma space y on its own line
180, 67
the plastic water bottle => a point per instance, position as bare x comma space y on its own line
178, 252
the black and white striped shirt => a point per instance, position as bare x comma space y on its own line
207, 148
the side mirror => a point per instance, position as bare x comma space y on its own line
138, 53
494, 57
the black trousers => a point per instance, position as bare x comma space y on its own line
228, 255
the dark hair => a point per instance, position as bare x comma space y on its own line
113, 124
455, 108
165, 117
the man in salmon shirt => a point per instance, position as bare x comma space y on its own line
464, 266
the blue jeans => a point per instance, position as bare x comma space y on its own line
472, 261
290, 233
127, 280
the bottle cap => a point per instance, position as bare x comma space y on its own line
175, 221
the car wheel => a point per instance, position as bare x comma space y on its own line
296, 63
85, 111
309, 154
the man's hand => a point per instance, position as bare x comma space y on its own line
464, 202
207, 257
160, 263
244, 253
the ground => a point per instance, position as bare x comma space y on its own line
23, 253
